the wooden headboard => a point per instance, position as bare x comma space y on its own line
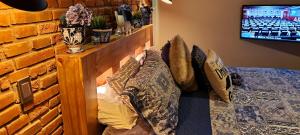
77, 75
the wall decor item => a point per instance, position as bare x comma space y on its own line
75, 27
101, 32
25, 91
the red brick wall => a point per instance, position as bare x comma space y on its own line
28, 44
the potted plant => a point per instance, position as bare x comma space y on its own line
137, 19
101, 31
74, 25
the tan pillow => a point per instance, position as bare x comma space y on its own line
112, 111
218, 75
181, 65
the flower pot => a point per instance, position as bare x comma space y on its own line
137, 23
73, 38
101, 35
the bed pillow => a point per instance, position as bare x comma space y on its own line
112, 111
118, 80
165, 50
218, 76
181, 65
155, 95
198, 60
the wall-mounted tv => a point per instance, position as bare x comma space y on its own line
280, 22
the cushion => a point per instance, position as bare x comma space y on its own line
181, 65
155, 95
198, 60
165, 50
112, 111
218, 76
141, 128
118, 80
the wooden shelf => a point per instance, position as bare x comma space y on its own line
77, 75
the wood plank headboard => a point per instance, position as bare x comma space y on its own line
77, 75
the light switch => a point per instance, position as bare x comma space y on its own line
25, 91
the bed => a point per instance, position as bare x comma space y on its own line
268, 102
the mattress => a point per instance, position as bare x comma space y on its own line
267, 103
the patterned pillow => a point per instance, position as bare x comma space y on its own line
118, 80
165, 50
181, 65
198, 60
155, 95
218, 76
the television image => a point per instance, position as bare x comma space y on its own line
271, 22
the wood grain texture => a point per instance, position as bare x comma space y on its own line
77, 75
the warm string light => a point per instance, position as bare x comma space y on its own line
167, 1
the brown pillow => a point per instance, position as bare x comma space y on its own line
181, 65
218, 76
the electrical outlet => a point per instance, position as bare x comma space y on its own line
25, 91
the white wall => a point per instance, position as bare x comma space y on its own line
215, 24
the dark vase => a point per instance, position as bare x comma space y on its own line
101, 35
146, 14
137, 23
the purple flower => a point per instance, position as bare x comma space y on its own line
79, 15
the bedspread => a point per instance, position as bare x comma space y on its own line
267, 103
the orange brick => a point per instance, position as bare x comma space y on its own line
90, 3
39, 69
58, 131
51, 65
9, 113
54, 101
38, 111
6, 98
33, 58
25, 31
56, 38
6, 67
20, 74
59, 108
53, 125
17, 124
57, 13
48, 80
49, 116
52, 3
6, 35
3, 131
41, 42
4, 83
64, 3
31, 129
35, 85
42, 96
4, 6
45, 28
28, 106
21, 17
14, 49
5, 18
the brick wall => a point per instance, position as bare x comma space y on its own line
29, 42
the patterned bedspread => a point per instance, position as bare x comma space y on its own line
268, 103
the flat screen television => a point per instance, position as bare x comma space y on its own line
280, 22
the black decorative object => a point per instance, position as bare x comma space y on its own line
126, 11
146, 14
28, 5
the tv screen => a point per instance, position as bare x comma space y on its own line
271, 23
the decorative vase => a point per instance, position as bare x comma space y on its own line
73, 38
101, 35
137, 23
